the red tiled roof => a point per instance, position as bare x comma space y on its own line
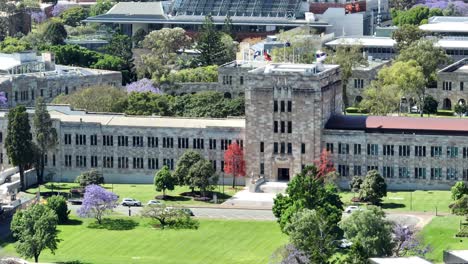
376, 123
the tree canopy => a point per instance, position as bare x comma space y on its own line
406, 35
97, 202
373, 188
92, 177
74, 15
35, 228
163, 180
184, 163
214, 50
371, 229
202, 176
416, 15
18, 142
55, 33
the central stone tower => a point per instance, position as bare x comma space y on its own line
287, 106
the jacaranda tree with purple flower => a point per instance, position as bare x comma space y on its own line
38, 16
59, 8
407, 242
3, 100
141, 86
97, 202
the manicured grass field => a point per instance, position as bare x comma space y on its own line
440, 235
143, 192
421, 201
216, 241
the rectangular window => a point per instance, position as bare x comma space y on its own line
465, 174
93, 140
262, 168
403, 172
222, 166
282, 106
357, 149
275, 126
289, 127
212, 143
214, 165
275, 106
461, 86
303, 148
447, 86
358, 83
388, 150
94, 162
436, 151
283, 128
275, 147
53, 160
343, 170
343, 148
122, 162
452, 152
357, 170
262, 145
67, 139
289, 106
138, 163
403, 150
283, 148
388, 172
329, 147
137, 141
372, 149
436, 173
420, 151
420, 173
80, 140
241, 80
369, 168
80, 161
107, 140
68, 162
122, 141
451, 174
108, 162
153, 164
289, 148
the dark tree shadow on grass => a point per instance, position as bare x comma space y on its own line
73, 262
392, 205
173, 198
114, 224
72, 222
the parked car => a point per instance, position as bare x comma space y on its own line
154, 202
187, 211
130, 202
351, 209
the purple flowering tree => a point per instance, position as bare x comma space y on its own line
459, 7
3, 100
38, 16
59, 8
407, 242
97, 202
141, 86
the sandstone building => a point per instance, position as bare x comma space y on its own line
25, 76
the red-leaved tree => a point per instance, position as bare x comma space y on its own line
324, 164
234, 162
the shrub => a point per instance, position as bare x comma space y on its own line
59, 205
445, 112
356, 110
184, 222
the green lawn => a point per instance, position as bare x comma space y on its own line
216, 241
440, 235
143, 192
422, 201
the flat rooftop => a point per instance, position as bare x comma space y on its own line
304, 69
383, 42
400, 260
383, 124
65, 114
454, 27
62, 71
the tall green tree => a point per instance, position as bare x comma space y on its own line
184, 163
55, 33
306, 191
348, 57
202, 176
74, 15
45, 134
374, 188
428, 56
35, 230
58, 204
458, 190
227, 26
430, 105
18, 142
381, 99
163, 180
311, 232
212, 50
406, 35
101, 7
370, 229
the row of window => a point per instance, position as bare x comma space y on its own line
447, 86
280, 126
227, 80
152, 142
405, 172
401, 150
281, 148
282, 106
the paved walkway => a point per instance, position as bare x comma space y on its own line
246, 199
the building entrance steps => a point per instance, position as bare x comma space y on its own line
274, 187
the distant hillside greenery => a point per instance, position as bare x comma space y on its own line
200, 74
111, 99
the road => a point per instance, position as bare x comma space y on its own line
408, 219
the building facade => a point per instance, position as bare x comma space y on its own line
25, 76
130, 149
287, 106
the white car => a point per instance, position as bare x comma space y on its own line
130, 202
351, 209
154, 202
